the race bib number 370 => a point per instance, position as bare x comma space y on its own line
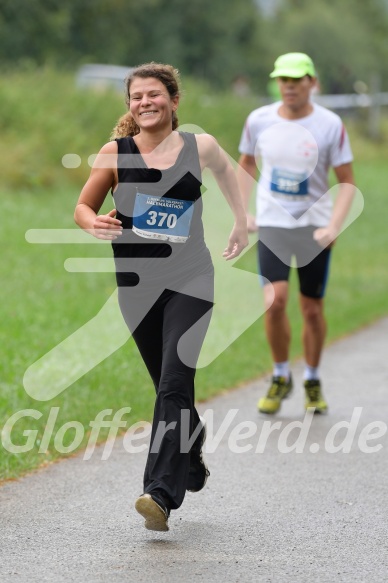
163, 219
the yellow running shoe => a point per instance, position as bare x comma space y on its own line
280, 389
314, 397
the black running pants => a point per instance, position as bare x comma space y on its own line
157, 337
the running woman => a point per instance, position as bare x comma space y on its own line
164, 270
297, 141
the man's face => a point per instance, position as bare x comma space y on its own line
295, 92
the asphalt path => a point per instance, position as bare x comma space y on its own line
306, 501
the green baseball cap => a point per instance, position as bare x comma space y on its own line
293, 65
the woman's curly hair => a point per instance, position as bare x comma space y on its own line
126, 125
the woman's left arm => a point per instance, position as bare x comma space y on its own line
213, 157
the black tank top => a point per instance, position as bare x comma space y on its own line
178, 185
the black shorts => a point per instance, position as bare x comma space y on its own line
277, 247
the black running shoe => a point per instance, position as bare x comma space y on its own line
199, 472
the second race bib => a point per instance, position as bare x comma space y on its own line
291, 185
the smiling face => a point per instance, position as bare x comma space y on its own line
295, 92
150, 104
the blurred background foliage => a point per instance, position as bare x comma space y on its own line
218, 41
224, 49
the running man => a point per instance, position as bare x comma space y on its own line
297, 141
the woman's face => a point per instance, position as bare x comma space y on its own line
150, 103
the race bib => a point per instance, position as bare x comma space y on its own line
163, 219
291, 185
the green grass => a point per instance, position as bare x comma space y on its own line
42, 304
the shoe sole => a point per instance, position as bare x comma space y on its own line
317, 411
267, 412
155, 517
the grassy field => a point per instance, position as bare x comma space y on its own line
42, 304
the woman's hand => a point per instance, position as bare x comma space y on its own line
107, 226
238, 240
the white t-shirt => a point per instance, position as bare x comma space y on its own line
295, 157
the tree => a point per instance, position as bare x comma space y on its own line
346, 39
215, 40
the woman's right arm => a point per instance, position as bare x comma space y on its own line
102, 179
246, 178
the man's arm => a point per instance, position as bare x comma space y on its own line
326, 235
246, 178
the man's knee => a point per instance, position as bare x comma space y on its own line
275, 297
312, 309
